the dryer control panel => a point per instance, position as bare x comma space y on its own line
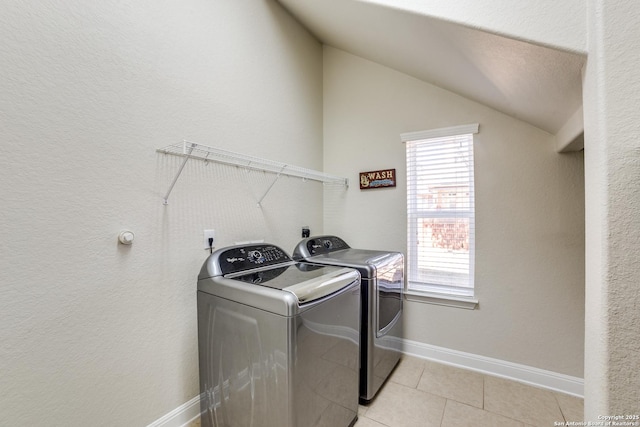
325, 244
241, 258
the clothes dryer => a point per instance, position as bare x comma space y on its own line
381, 296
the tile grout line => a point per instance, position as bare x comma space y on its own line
484, 377
560, 407
446, 401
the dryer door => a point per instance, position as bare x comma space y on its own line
389, 304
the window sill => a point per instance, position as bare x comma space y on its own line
468, 303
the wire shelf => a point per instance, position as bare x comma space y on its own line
188, 150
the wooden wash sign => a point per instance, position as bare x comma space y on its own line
378, 179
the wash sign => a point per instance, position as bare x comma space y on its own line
378, 179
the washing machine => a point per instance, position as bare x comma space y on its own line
381, 303
278, 340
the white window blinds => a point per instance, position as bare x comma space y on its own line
440, 208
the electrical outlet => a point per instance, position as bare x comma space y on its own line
209, 234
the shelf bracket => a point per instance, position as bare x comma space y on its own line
165, 200
271, 186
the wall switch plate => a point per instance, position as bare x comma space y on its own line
209, 234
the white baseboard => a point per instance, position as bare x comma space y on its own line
186, 413
182, 416
496, 367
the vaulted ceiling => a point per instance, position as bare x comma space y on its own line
537, 84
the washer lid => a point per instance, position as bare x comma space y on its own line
307, 282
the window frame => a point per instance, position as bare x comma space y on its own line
458, 296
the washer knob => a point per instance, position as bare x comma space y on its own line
255, 256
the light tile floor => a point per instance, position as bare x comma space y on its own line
420, 393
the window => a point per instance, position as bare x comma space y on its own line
440, 211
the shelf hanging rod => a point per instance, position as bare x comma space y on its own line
218, 155
192, 150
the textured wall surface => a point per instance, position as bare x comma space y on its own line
612, 167
92, 332
529, 213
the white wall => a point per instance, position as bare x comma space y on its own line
529, 213
612, 166
94, 333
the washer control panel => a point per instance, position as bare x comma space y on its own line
241, 258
